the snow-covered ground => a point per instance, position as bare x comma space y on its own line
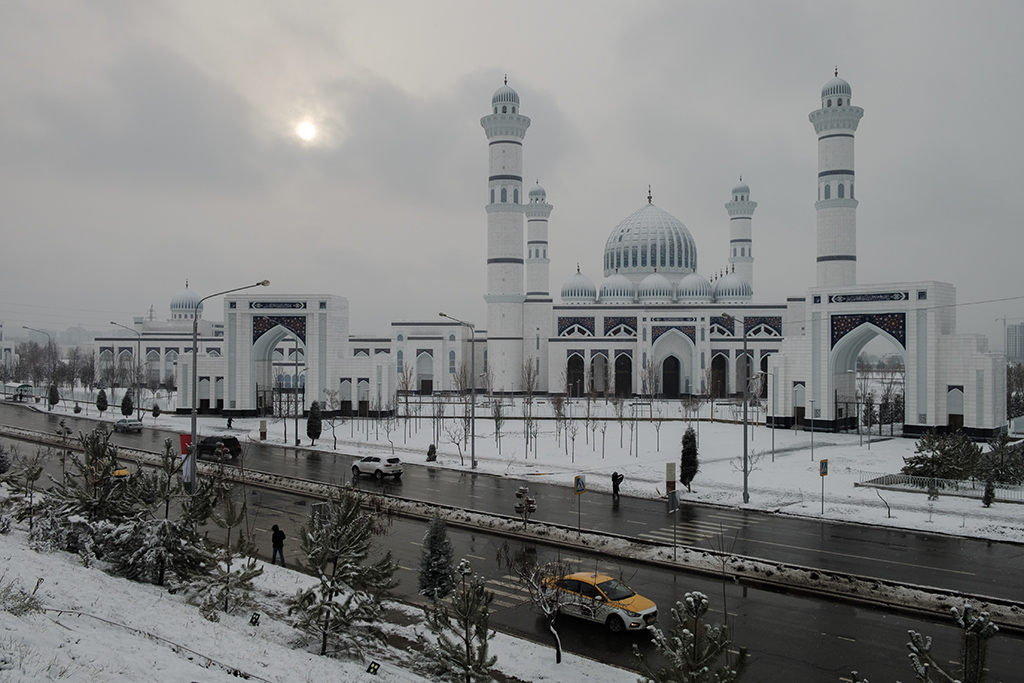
83, 647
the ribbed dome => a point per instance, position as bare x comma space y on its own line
184, 303
741, 189
618, 289
650, 239
537, 193
694, 288
837, 86
505, 95
656, 288
732, 287
579, 290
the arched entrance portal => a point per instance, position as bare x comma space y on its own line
623, 376
670, 377
599, 375
872, 395
719, 387
574, 376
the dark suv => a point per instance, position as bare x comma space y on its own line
209, 446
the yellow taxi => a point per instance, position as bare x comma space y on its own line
603, 599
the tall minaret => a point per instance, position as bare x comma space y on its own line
741, 248
505, 128
537, 310
835, 123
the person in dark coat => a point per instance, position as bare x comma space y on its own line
277, 539
616, 480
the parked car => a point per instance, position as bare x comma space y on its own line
126, 425
377, 466
603, 599
220, 448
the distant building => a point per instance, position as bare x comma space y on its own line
1015, 342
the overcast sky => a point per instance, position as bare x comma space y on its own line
143, 144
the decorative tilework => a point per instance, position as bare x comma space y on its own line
879, 296
690, 319
773, 322
384, 350
295, 324
610, 323
893, 323
623, 352
594, 353
577, 321
688, 330
817, 299
277, 304
429, 352
727, 323
574, 352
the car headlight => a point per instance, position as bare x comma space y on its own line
632, 614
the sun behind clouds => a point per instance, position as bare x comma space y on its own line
306, 131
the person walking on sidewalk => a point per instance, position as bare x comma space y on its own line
616, 480
277, 539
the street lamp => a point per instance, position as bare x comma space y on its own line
138, 357
472, 386
49, 353
746, 398
812, 429
190, 462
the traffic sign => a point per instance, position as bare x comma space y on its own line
823, 467
580, 484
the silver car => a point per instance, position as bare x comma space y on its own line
377, 466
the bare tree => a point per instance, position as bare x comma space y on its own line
649, 381
497, 413
558, 405
619, 406
456, 436
332, 405
658, 420
538, 580
528, 382
406, 384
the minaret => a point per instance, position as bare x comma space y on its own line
505, 128
835, 123
537, 310
741, 248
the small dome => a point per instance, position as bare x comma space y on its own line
837, 86
656, 288
578, 289
694, 288
505, 95
537, 193
731, 287
741, 189
184, 303
618, 289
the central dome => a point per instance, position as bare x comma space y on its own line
650, 240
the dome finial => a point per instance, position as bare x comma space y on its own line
186, 283
741, 177
837, 71
506, 77
577, 267
649, 195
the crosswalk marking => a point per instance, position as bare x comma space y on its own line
697, 530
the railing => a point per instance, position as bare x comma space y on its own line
972, 488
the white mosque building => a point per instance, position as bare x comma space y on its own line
653, 324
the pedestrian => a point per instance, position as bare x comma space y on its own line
278, 541
616, 480
229, 423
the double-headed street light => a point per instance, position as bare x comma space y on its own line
190, 461
138, 359
746, 399
472, 386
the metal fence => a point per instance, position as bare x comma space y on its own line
949, 487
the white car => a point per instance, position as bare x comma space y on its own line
127, 425
377, 466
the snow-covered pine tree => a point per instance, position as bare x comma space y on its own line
127, 404
101, 401
436, 576
345, 605
460, 625
693, 648
314, 422
689, 466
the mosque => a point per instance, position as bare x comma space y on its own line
652, 325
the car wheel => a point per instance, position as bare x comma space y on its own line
615, 624
379, 475
355, 472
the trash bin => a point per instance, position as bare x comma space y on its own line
263, 430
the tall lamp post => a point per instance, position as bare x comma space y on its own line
138, 357
746, 399
472, 386
49, 343
190, 461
